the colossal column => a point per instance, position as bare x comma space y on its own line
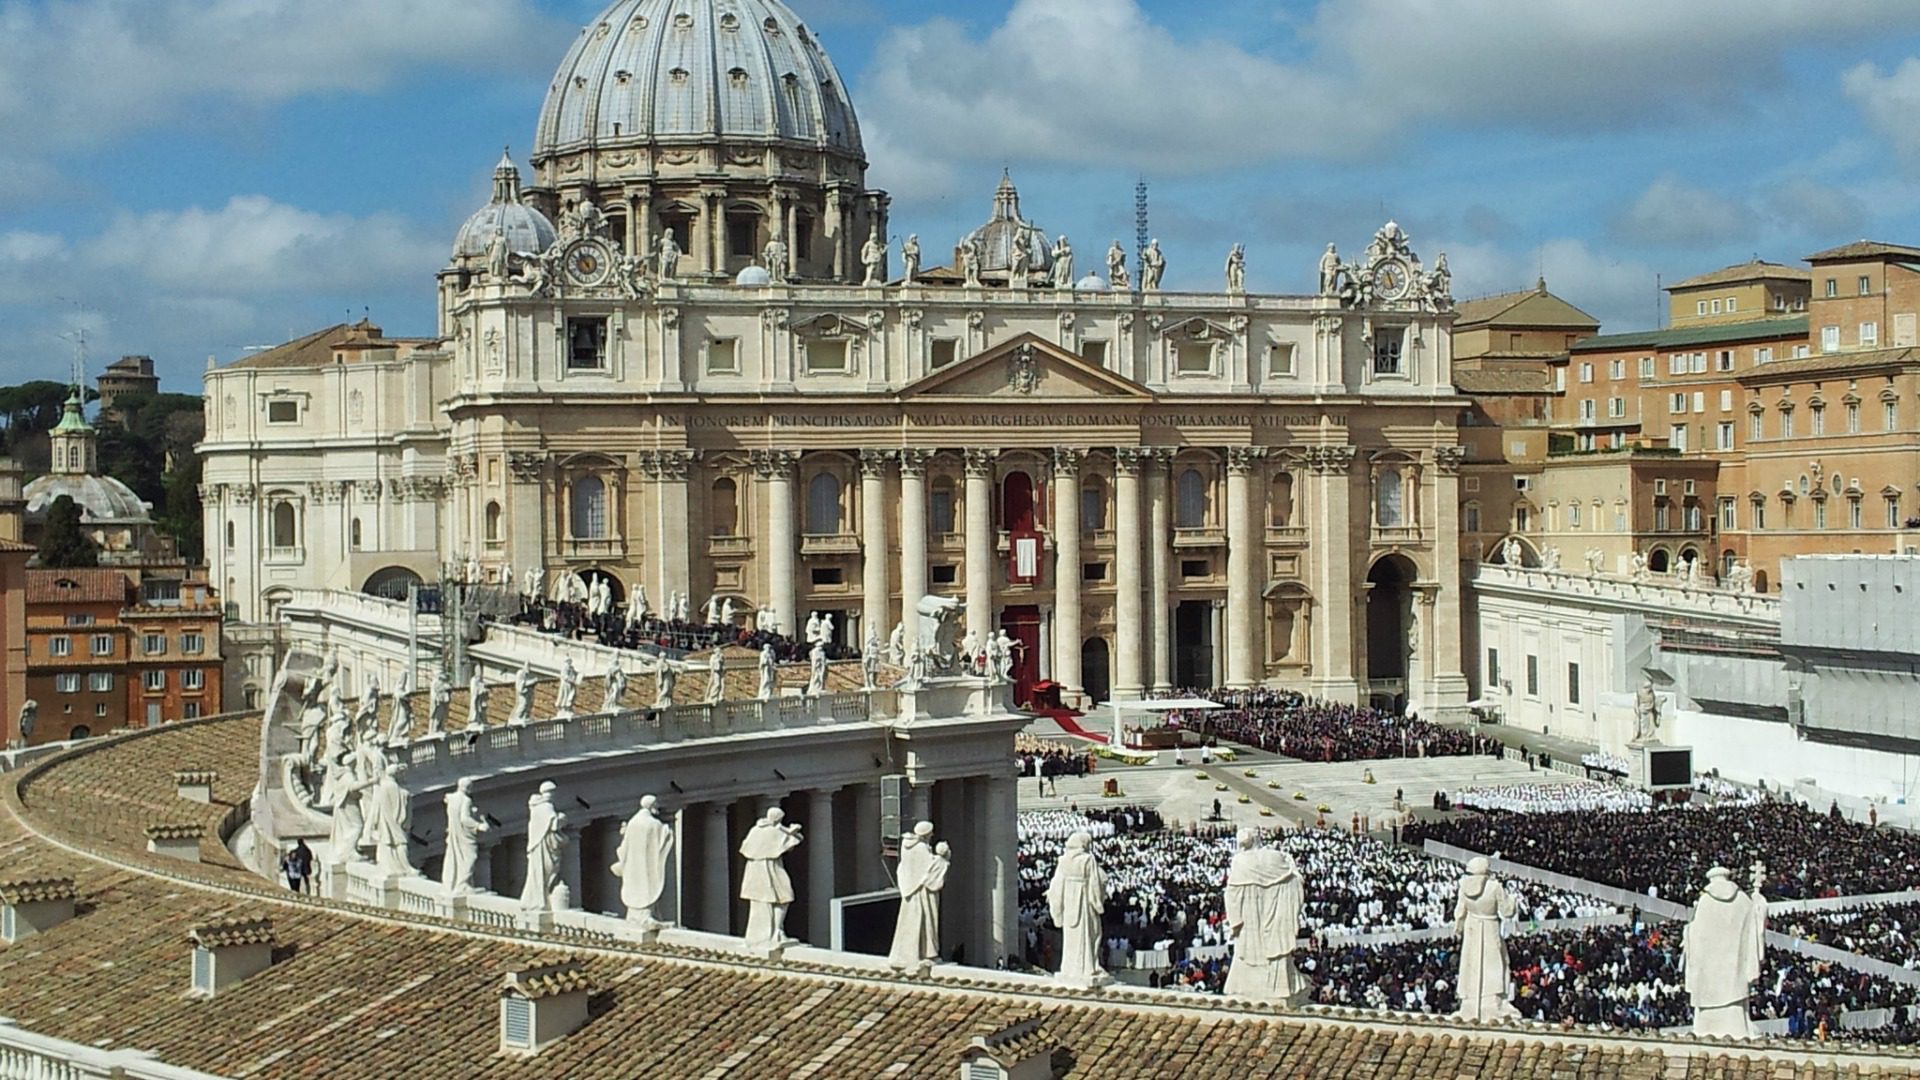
716, 880
875, 582
1003, 884
980, 540
1129, 675
1243, 560
1333, 543
820, 891
1160, 543
913, 538
1066, 568
776, 468
669, 469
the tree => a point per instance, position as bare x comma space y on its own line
63, 543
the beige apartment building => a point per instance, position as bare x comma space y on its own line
1745, 292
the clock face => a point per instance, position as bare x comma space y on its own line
589, 263
1390, 279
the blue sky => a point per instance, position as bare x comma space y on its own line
188, 178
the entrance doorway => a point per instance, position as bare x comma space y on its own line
1390, 631
1022, 624
1094, 672
1193, 644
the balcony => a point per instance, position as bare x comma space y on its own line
1400, 535
611, 547
1204, 537
730, 546
1287, 534
947, 541
829, 544
286, 556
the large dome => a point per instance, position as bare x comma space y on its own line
696, 71
101, 499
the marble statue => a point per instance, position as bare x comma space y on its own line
546, 839
1596, 560
764, 883
366, 719
1076, 898
1117, 267
727, 612
716, 676
1019, 261
826, 627
970, 653
870, 660
1692, 570
910, 257
29, 714
499, 258
916, 667
613, 686
637, 604
774, 258
1237, 270
465, 823
1721, 953
873, 256
998, 649
389, 813
817, 670
1550, 558
1485, 981
1153, 266
1264, 899
646, 852
1637, 566
1646, 713
1740, 577
1062, 263
476, 700
439, 700
769, 673
812, 632
473, 575
342, 792
568, 689
1330, 272
400, 715
1512, 554
897, 644
971, 256
504, 575
1440, 281
916, 928
536, 273
666, 256
523, 683
683, 607
712, 613
665, 680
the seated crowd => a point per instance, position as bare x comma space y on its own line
1550, 798
653, 633
1292, 724
1890, 932
1667, 852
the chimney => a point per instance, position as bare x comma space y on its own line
226, 952
1017, 1051
180, 840
540, 1006
34, 906
195, 785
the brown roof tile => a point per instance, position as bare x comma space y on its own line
92, 585
1751, 270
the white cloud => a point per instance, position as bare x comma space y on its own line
1806, 207
1888, 102
1621, 293
1673, 213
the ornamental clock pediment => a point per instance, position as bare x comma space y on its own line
1388, 275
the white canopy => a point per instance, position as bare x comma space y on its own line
1157, 705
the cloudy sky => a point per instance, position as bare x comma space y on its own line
190, 178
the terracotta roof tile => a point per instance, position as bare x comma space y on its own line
77, 586
231, 932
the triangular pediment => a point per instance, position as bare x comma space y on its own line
1027, 366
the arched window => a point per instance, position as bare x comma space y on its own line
1280, 500
1093, 504
73, 457
589, 508
1388, 510
286, 525
353, 534
723, 507
493, 523
1191, 499
823, 505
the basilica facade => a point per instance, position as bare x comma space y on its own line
690, 357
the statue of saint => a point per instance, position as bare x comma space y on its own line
1062, 263
1019, 261
897, 644
716, 676
613, 687
1076, 898
1646, 713
1117, 267
1263, 902
971, 256
817, 670
1237, 270
341, 792
646, 850
1330, 272
666, 257
916, 929
523, 684
769, 673
1485, 981
1153, 266
1721, 953
774, 258
665, 680
400, 716
910, 257
464, 826
389, 817
498, 257
546, 839
476, 700
870, 659
439, 700
764, 884
569, 688
873, 256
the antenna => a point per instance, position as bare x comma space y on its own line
1139, 221
1659, 309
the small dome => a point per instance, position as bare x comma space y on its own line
1090, 283
527, 230
100, 498
753, 277
1007, 228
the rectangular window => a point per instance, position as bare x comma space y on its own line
1195, 358
1280, 360
1646, 367
1833, 287
1699, 307
60, 645
1786, 424
1763, 355
1093, 571
743, 228
1726, 401
1853, 418
1677, 364
1865, 285
829, 575
1716, 306
153, 681
1697, 363
723, 356
1801, 352
193, 644
1493, 667
1733, 304
103, 644
586, 344
1693, 518
1387, 344
1699, 401
945, 351
1677, 437
1890, 415
1586, 371
153, 714
1820, 513
1093, 509
1617, 407
1094, 352
1893, 511
1662, 517
153, 644
1573, 684
1470, 518
1754, 424
1193, 568
283, 411
1853, 513
99, 708
1759, 516
826, 356
193, 679
1723, 435
1677, 403
1724, 361
1727, 513
1560, 379
1869, 334
1587, 409
190, 710
100, 682
1619, 521
1533, 676
1830, 339
1617, 369
944, 573
1573, 515
1819, 420
67, 684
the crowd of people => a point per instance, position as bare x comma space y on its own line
1292, 724
653, 633
1537, 798
1667, 852
1048, 759
1890, 932
1605, 762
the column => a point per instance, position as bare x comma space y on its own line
919, 806
1334, 537
716, 232
820, 892
1066, 568
1218, 627
1159, 540
1002, 885
640, 225
716, 878
1448, 690
866, 863
913, 537
835, 233
572, 854
1244, 553
672, 533
876, 584
776, 467
980, 540
1129, 674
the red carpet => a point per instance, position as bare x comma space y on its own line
1069, 723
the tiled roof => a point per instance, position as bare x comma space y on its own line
317, 349
1531, 307
1863, 249
33, 890
77, 586
548, 981
1751, 270
16, 546
403, 997
232, 932
1831, 362
1683, 337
